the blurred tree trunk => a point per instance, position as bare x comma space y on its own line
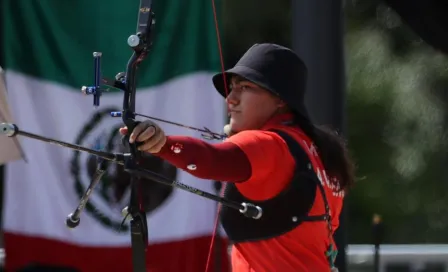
318, 38
1, 166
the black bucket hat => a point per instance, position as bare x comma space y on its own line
275, 68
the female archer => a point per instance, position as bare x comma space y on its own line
275, 158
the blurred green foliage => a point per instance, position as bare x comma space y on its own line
396, 114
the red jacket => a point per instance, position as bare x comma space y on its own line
261, 165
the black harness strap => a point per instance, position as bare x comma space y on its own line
296, 147
283, 212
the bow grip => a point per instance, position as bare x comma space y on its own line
125, 139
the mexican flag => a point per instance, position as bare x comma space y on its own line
48, 46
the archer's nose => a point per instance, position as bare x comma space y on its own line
231, 99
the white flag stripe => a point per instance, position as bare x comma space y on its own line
59, 112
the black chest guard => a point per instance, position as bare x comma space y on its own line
281, 213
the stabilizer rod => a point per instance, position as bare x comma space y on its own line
247, 209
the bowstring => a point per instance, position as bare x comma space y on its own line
218, 211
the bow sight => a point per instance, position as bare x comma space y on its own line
126, 81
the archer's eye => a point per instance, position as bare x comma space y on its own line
244, 87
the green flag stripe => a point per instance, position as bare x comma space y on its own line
54, 39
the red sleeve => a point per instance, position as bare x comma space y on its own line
271, 162
222, 162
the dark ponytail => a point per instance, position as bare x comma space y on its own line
333, 152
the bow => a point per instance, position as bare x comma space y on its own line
126, 81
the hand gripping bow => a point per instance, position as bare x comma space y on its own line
140, 43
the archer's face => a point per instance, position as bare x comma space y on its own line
250, 106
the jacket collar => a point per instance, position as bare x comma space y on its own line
278, 120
